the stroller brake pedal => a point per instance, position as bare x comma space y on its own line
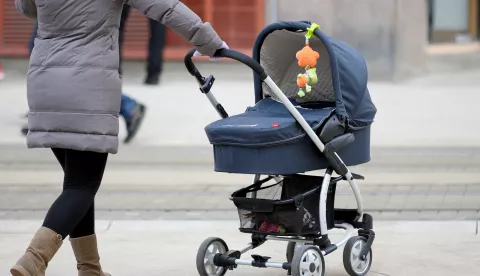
259, 261
260, 258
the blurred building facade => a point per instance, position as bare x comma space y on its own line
393, 35
396, 37
453, 21
237, 22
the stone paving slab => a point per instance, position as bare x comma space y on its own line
203, 175
142, 198
445, 123
231, 214
393, 158
135, 247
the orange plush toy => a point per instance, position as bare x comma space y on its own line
307, 58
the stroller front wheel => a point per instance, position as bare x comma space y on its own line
206, 254
354, 264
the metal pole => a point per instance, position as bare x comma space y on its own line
271, 11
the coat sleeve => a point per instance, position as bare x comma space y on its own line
178, 17
27, 8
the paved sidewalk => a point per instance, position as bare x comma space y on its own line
161, 199
147, 201
131, 248
464, 158
434, 111
149, 191
162, 182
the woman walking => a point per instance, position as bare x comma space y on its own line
74, 93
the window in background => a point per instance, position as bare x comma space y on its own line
453, 21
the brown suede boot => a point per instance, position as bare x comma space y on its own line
86, 253
41, 250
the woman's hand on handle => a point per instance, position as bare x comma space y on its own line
223, 46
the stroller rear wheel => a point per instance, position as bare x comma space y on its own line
205, 255
291, 251
353, 262
291, 247
308, 261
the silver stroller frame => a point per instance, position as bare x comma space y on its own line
303, 254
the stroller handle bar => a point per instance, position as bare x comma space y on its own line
225, 53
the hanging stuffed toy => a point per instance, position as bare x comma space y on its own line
307, 58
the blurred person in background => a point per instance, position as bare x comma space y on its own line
2, 74
132, 112
156, 44
74, 94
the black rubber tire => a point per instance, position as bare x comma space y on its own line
201, 255
289, 254
290, 251
347, 251
297, 259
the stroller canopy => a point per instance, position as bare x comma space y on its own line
342, 71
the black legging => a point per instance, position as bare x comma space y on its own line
73, 212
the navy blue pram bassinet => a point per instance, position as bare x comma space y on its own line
266, 139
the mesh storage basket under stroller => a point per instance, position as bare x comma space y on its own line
288, 207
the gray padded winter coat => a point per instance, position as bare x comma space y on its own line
73, 85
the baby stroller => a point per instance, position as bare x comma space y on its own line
284, 136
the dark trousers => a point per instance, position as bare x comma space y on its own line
31, 41
156, 43
73, 213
